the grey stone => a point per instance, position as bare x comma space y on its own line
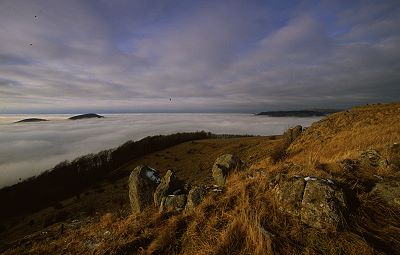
322, 205
173, 203
168, 185
388, 191
195, 196
372, 158
317, 202
142, 183
224, 165
289, 194
292, 133
392, 153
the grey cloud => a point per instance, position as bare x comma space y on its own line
204, 55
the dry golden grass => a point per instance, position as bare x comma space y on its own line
345, 134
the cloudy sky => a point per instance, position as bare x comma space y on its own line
134, 55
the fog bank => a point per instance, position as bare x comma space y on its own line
27, 149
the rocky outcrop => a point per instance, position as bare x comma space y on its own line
349, 165
194, 197
323, 205
142, 183
371, 158
392, 153
289, 193
169, 185
388, 191
173, 203
319, 203
223, 166
292, 133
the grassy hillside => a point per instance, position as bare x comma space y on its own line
356, 148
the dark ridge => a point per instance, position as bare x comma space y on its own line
71, 177
302, 113
30, 120
85, 116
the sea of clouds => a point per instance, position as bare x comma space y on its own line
27, 149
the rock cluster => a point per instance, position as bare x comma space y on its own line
169, 193
318, 203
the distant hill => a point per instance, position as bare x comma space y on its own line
86, 116
300, 113
30, 120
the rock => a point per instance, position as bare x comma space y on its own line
349, 165
223, 166
173, 203
169, 185
322, 205
142, 183
90, 244
392, 153
371, 158
195, 196
289, 193
317, 202
292, 133
388, 191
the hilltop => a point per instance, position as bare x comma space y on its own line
85, 116
300, 113
31, 120
331, 188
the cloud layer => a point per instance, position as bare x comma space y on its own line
63, 56
27, 149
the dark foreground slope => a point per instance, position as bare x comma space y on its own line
355, 151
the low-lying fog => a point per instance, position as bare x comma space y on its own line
26, 149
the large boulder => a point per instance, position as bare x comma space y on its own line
319, 203
142, 183
223, 166
292, 133
169, 184
289, 193
195, 196
173, 203
388, 191
322, 205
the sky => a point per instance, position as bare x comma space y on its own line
73, 56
